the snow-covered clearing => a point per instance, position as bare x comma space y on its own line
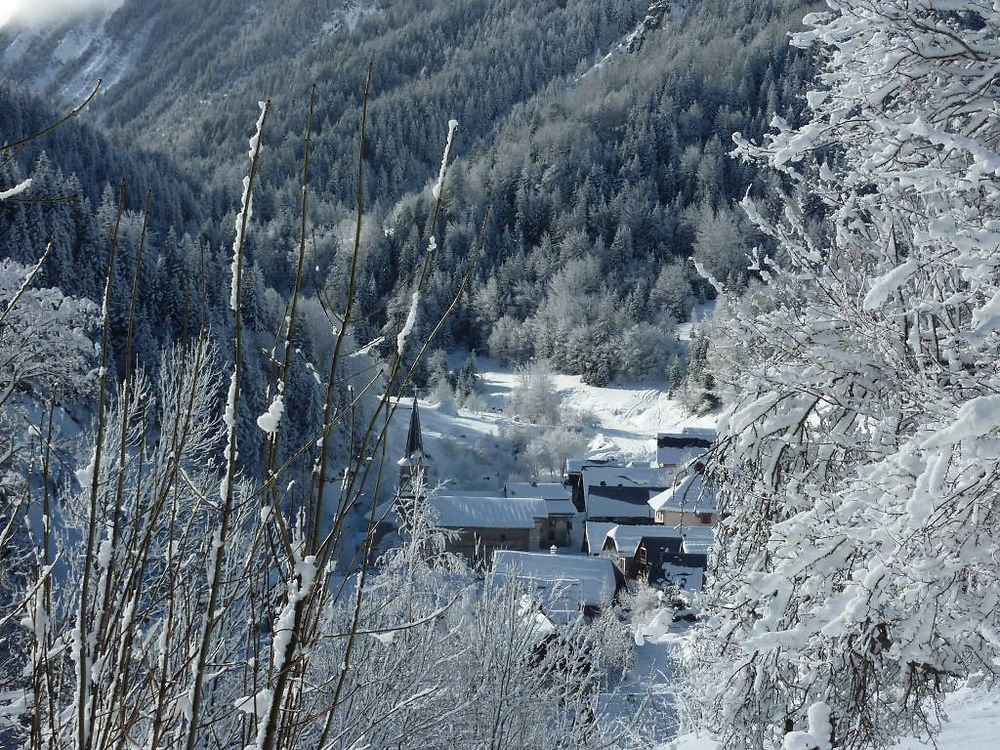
469, 448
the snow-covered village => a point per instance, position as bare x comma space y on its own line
500, 374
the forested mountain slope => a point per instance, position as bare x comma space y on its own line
76, 171
603, 172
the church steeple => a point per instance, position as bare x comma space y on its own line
414, 438
413, 464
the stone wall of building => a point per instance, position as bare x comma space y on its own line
477, 545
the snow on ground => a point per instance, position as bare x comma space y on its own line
627, 416
469, 448
972, 723
650, 682
465, 446
701, 312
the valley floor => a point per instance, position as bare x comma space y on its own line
471, 448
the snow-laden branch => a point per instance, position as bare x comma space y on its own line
16, 190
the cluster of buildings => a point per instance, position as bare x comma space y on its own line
607, 522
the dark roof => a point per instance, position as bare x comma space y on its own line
619, 502
634, 495
666, 544
680, 448
682, 441
686, 560
671, 566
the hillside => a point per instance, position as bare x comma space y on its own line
235, 273
594, 133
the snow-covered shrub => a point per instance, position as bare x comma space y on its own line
547, 452
46, 343
582, 417
46, 359
535, 397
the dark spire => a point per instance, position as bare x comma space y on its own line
414, 439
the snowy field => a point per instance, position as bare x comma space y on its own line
471, 450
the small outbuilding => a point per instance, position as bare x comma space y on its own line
677, 449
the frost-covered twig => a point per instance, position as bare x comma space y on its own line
82, 636
16, 190
218, 542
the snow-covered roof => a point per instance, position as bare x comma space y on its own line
576, 465
560, 507
698, 540
678, 448
595, 532
457, 512
544, 490
628, 476
690, 495
465, 493
705, 433
627, 538
557, 496
577, 580
618, 502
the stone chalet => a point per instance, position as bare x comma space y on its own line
677, 449
690, 502
558, 530
486, 524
